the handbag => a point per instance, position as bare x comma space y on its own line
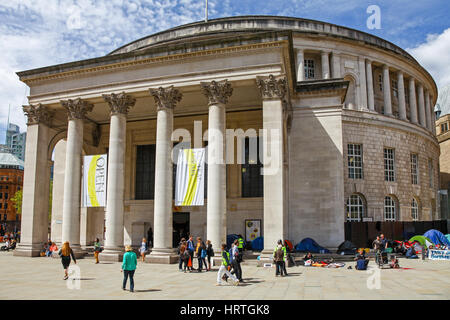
189, 262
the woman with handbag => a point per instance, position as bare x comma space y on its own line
97, 249
65, 253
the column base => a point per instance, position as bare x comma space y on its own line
162, 256
114, 255
28, 250
265, 257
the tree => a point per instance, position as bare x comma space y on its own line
17, 199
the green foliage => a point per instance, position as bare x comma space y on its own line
17, 199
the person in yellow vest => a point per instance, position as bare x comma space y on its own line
240, 248
225, 268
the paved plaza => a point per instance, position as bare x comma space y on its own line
41, 278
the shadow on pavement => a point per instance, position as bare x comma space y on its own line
148, 290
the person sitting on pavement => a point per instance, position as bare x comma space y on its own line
361, 255
394, 263
411, 253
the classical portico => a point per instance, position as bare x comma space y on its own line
306, 95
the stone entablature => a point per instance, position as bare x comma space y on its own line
374, 136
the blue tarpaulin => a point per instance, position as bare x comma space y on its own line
230, 239
437, 237
258, 244
309, 245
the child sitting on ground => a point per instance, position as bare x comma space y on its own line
394, 263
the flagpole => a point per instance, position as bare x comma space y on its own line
206, 11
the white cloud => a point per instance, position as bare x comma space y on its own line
434, 55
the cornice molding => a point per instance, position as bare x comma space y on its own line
153, 60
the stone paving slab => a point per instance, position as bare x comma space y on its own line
41, 278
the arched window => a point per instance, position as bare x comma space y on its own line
355, 208
389, 208
414, 210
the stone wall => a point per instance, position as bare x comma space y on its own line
375, 132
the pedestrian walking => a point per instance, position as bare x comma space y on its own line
143, 249
97, 249
285, 257
225, 268
129, 264
209, 253
65, 253
235, 260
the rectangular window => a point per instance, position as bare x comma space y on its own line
145, 172
380, 82
309, 69
395, 88
444, 127
6, 195
6, 207
389, 164
430, 172
252, 179
1, 195
414, 168
355, 161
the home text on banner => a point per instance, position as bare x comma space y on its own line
190, 178
94, 180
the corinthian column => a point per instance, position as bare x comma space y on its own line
412, 100
387, 91
273, 91
370, 95
36, 182
119, 105
401, 96
216, 220
165, 99
76, 112
325, 65
428, 111
421, 106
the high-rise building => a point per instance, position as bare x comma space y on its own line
15, 140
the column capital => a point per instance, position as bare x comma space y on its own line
385, 67
77, 109
166, 98
119, 103
272, 87
37, 113
217, 91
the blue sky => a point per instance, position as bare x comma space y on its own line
37, 33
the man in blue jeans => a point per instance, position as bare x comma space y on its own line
191, 249
129, 263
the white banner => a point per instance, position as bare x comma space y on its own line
94, 180
190, 178
439, 254
252, 229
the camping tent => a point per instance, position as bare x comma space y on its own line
231, 238
309, 245
437, 237
288, 244
420, 239
258, 244
448, 237
347, 247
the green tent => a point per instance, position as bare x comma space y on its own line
420, 239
